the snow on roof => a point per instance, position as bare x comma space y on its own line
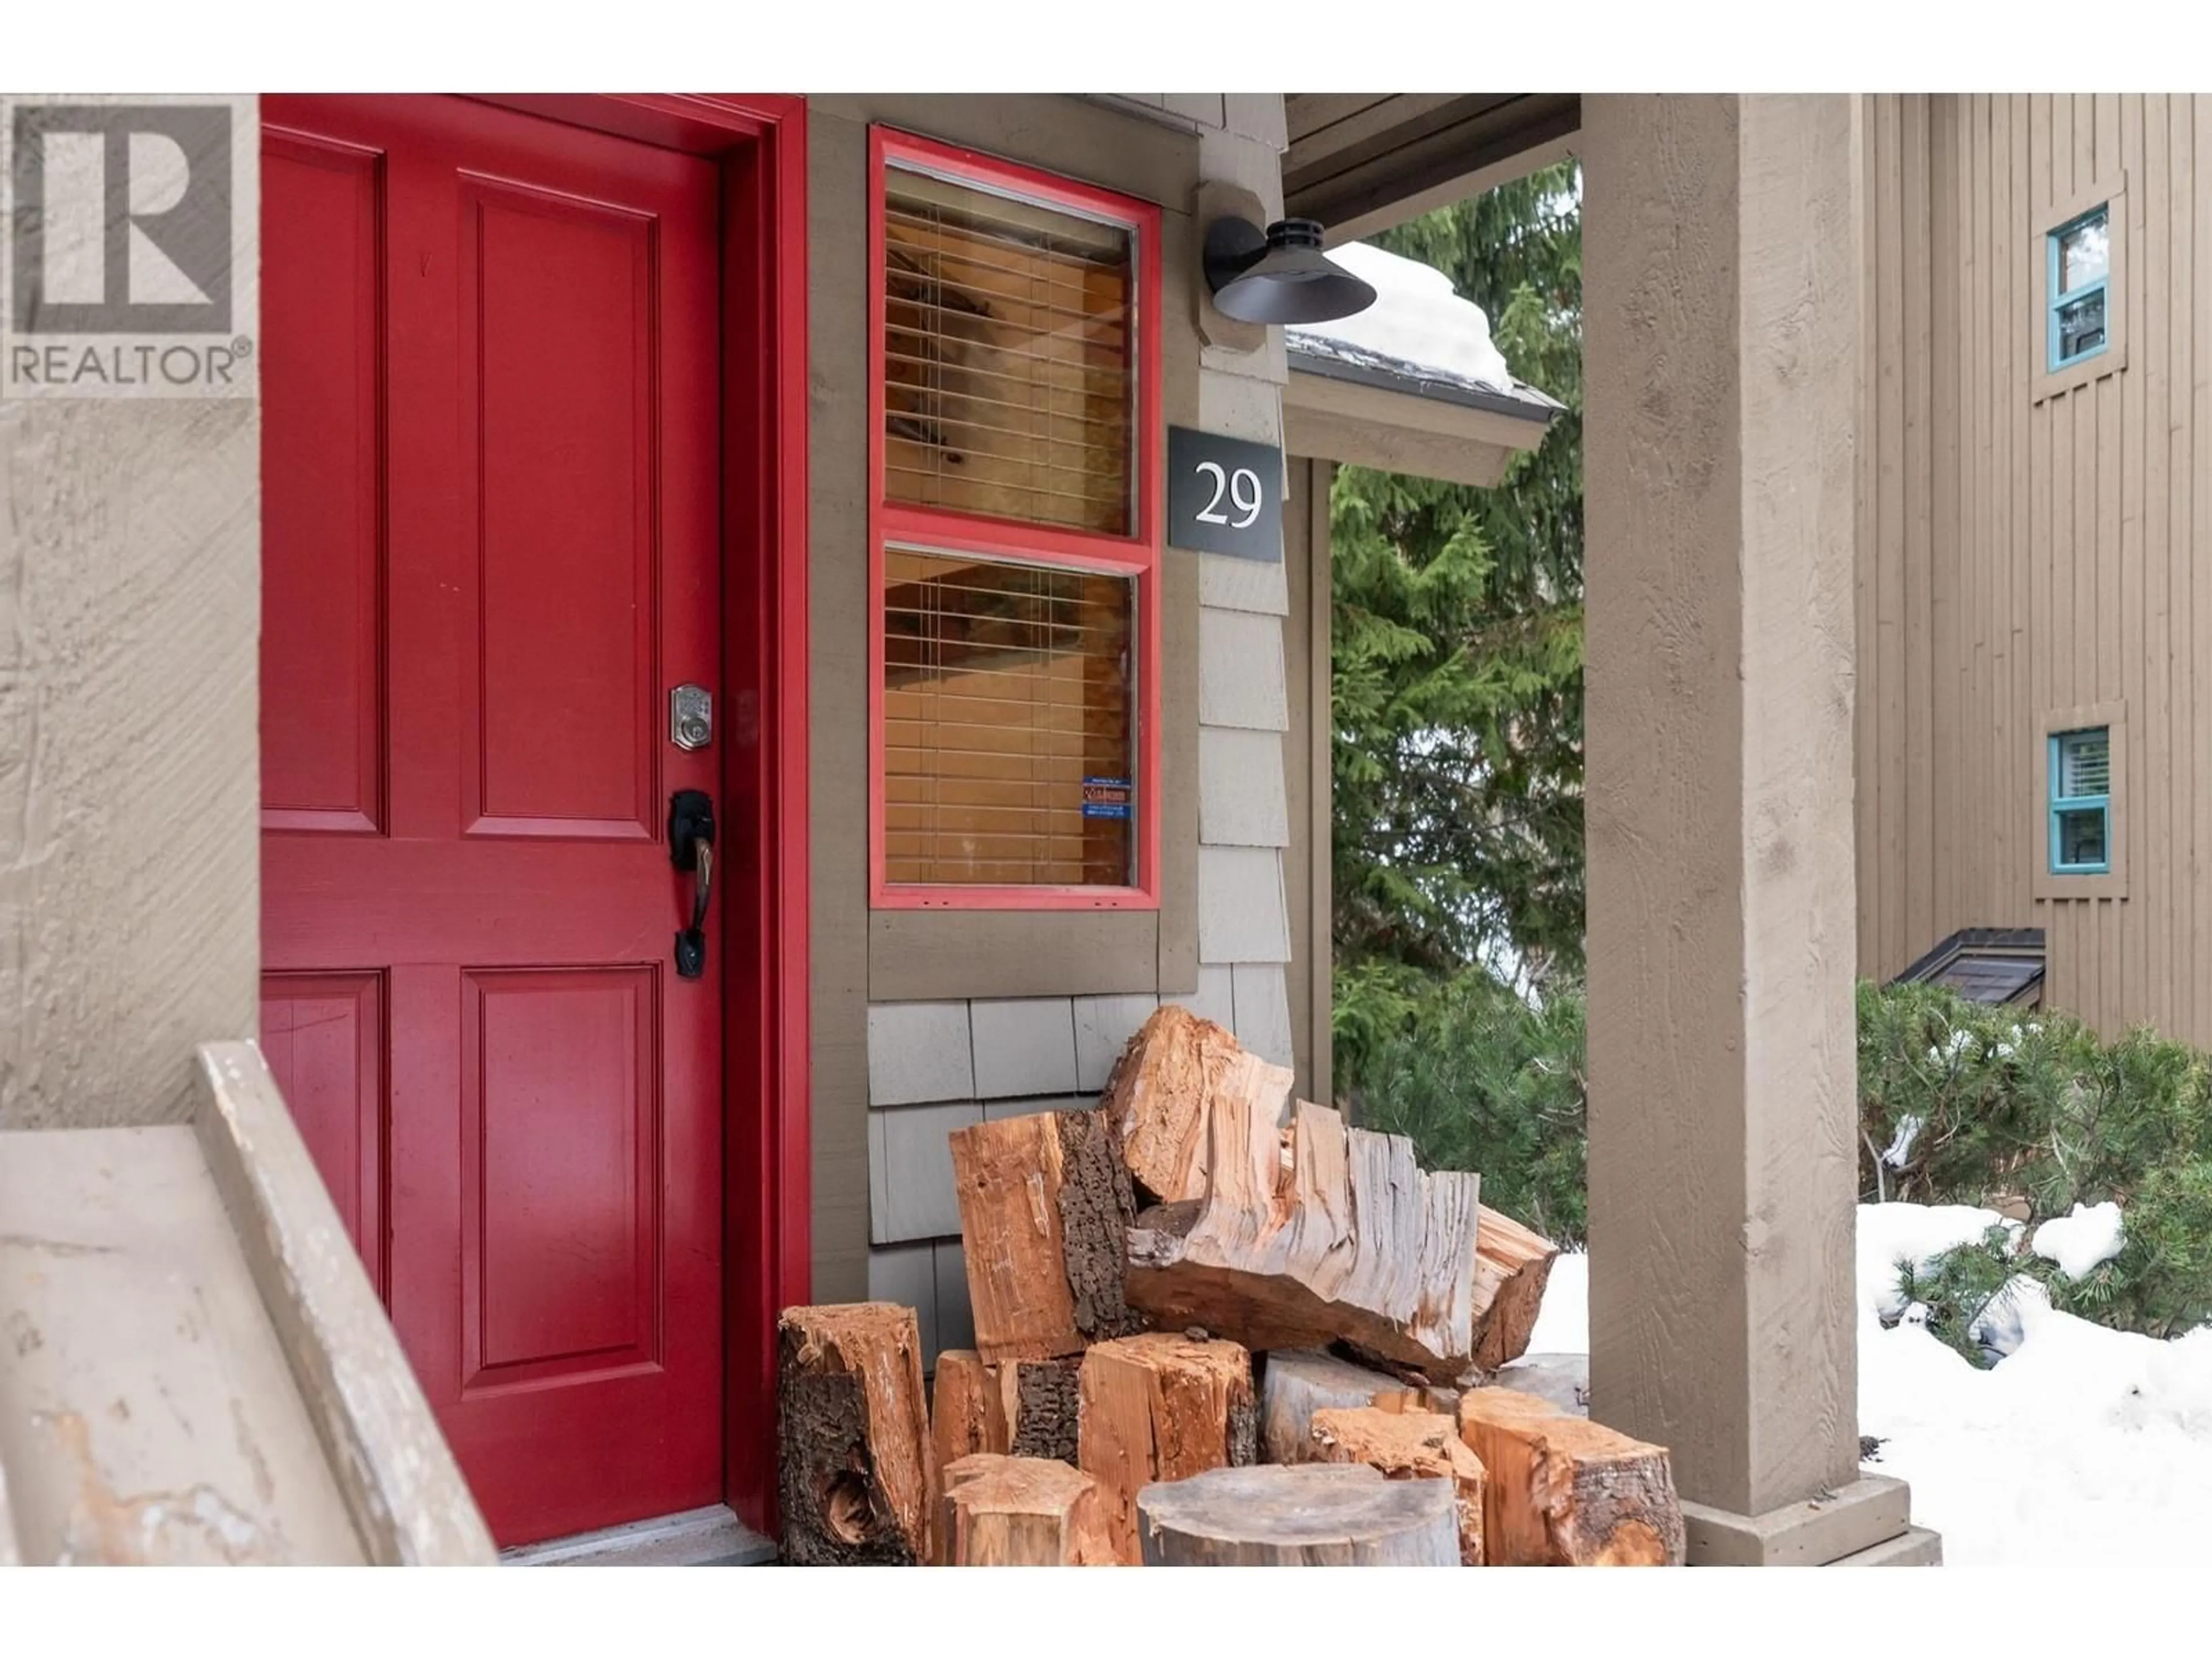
1419, 336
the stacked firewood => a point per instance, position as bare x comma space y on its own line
1213, 1325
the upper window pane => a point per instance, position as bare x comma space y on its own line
2084, 764
1008, 347
1009, 729
2085, 251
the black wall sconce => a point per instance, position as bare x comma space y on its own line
1279, 277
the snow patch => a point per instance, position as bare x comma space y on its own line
2079, 1243
1418, 318
2082, 1447
1563, 1322
1918, 1233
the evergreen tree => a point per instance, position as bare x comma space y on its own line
1457, 644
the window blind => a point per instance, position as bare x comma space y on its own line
1009, 363
1008, 723
2085, 765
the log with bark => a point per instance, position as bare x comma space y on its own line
1001, 1511
1044, 1213
1022, 1408
1157, 1407
1279, 1515
857, 1472
1408, 1446
1313, 1235
1160, 1097
1512, 1266
1564, 1491
1295, 1383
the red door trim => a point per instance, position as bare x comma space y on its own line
760, 142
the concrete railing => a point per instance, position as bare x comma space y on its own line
193, 1365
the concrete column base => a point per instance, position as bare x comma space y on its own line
1871, 1517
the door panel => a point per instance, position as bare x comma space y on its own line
491, 548
322, 704
322, 1035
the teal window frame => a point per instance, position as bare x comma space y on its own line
2056, 302
2062, 805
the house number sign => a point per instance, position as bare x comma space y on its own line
1225, 495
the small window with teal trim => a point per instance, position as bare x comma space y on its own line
2081, 265
2081, 802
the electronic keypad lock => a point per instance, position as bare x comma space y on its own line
691, 847
690, 717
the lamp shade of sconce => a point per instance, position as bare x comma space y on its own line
1279, 277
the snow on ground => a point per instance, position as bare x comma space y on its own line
2084, 1447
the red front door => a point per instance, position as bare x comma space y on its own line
489, 553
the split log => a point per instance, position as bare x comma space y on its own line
1319, 1234
1408, 1446
1295, 1383
960, 1419
857, 1472
1511, 1267
1023, 1408
1565, 1492
1310, 1515
1019, 1512
1160, 1408
1044, 1213
1161, 1093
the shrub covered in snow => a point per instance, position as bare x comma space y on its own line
2104, 1151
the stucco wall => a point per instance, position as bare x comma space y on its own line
130, 611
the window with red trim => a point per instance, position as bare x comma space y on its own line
1015, 542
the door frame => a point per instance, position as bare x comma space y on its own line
758, 142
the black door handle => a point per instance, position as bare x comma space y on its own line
691, 847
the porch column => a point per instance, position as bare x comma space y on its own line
1722, 322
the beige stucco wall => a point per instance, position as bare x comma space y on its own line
130, 610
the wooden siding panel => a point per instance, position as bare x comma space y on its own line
2018, 557
1919, 562
1887, 682
2181, 851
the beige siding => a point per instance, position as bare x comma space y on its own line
2020, 557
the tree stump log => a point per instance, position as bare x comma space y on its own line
1320, 1234
857, 1472
1160, 1096
1160, 1408
1512, 1264
1019, 1512
1310, 1515
1564, 1491
1408, 1446
1044, 1213
1295, 1383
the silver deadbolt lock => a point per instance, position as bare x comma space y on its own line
690, 717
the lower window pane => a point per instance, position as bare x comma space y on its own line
2082, 837
1009, 724
2082, 325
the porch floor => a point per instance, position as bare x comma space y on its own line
711, 1537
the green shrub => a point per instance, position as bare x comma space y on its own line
1994, 1107
1479, 1080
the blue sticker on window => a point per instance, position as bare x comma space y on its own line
1106, 798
